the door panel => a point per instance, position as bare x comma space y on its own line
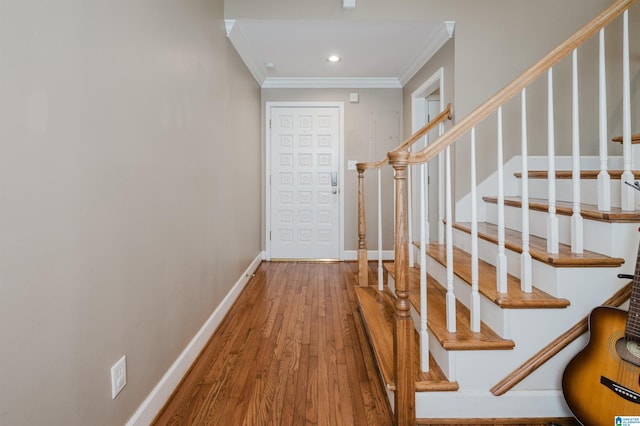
305, 199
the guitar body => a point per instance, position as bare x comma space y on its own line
603, 380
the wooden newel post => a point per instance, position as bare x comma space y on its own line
403, 338
363, 261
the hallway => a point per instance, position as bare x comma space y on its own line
291, 351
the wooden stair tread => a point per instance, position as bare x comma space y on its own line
515, 298
376, 308
635, 138
588, 211
568, 174
463, 338
538, 248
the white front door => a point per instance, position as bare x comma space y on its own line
305, 182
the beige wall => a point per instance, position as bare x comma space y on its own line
373, 127
127, 131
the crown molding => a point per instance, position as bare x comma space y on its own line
439, 37
330, 83
241, 45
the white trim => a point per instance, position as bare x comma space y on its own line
267, 192
371, 255
240, 43
154, 402
419, 101
439, 37
329, 83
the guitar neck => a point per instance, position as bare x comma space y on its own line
632, 330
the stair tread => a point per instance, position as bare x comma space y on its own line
515, 298
588, 211
376, 308
568, 174
538, 248
463, 338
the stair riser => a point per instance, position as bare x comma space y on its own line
484, 405
588, 287
611, 239
538, 188
491, 314
546, 277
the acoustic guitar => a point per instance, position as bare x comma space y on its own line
601, 384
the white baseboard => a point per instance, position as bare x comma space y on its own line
371, 255
152, 405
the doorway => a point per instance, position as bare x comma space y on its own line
304, 187
427, 102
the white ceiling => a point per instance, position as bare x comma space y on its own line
374, 53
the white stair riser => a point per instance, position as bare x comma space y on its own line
538, 188
491, 314
611, 239
545, 277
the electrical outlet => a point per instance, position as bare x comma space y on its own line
118, 376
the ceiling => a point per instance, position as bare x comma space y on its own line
293, 53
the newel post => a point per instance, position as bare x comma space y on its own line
403, 338
363, 261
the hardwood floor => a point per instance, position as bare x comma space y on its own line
291, 351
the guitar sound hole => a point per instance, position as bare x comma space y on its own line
629, 350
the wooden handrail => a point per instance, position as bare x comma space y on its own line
446, 114
546, 353
520, 82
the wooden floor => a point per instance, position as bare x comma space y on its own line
291, 351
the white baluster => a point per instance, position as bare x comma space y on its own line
380, 270
576, 217
604, 180
410, 213
525, 256
628, 193
441, 198
424, 334
451, 298
552, 219
475, 295
501, 260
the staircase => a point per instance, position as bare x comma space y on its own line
479, 323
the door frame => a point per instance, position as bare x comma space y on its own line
267, 175
419, 109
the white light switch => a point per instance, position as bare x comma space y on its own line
351, 164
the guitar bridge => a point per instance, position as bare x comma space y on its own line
622, 391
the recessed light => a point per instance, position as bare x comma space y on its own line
334, 58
